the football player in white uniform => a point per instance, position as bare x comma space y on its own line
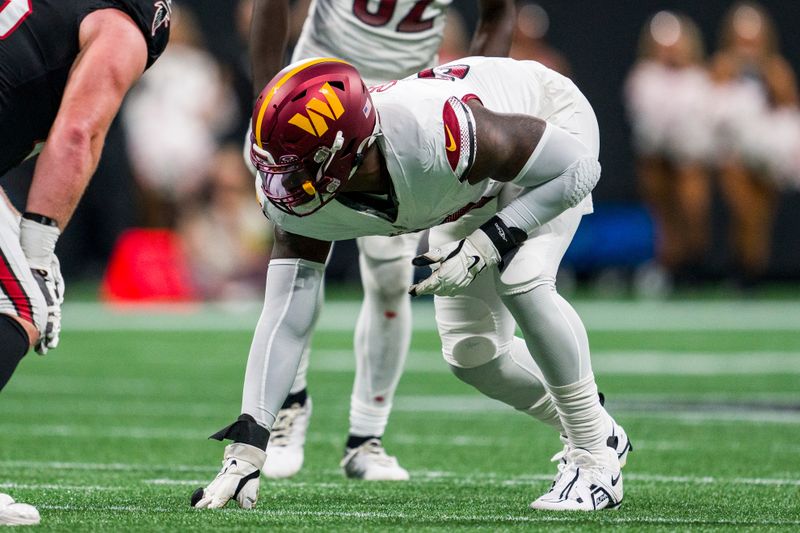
384, 40
435, 150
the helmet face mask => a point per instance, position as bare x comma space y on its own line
311, 125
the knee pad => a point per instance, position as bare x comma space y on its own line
502, 379
469, 351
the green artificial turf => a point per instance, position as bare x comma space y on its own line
109, 432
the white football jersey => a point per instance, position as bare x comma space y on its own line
429, 145
383, 39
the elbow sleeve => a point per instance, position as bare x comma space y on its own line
556, 152
559, 174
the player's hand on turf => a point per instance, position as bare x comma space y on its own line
455, 265
38, 242
238, 480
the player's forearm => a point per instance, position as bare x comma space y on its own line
495, 29
269, 34
63, 171
98, 81
291, 305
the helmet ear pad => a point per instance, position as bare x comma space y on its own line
317, 111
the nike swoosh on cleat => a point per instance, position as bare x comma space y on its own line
475, 261
615, 480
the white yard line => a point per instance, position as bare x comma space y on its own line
107, 467
618, 362
419, 476
453, 405
442, 517
340, 316
604, 362
59, 486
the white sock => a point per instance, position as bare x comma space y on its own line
545, 411
368, 420
586, 424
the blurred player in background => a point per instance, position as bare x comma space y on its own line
758, 122
385, 40
64, 70
668, 98
530, 38
434, 151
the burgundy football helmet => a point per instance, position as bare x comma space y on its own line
311, 125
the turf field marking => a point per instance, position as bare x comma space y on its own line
58, 486
724, 315
166, 481
654, 478
687, 413
612, 362
111, 467
417, 476
449, 406
427, 515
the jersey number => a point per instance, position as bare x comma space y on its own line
12, 13
411, 23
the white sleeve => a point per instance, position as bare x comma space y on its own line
560, 173
291, 307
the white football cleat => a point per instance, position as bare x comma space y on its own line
371, 463
586, 482
17, 514
285, 450
617, 440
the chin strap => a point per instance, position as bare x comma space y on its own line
365, 144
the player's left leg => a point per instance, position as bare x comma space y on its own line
382, 338
589, 478
477, 333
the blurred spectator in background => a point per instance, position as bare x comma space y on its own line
667, 99
173, 119
759, 132
224, 233
529, 42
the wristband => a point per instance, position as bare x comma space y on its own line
40, 219
503, 238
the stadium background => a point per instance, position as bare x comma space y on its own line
109, 431
598, 39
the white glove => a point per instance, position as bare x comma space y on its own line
38, 242
239, 479
455, 265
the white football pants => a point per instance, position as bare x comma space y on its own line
20, 296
